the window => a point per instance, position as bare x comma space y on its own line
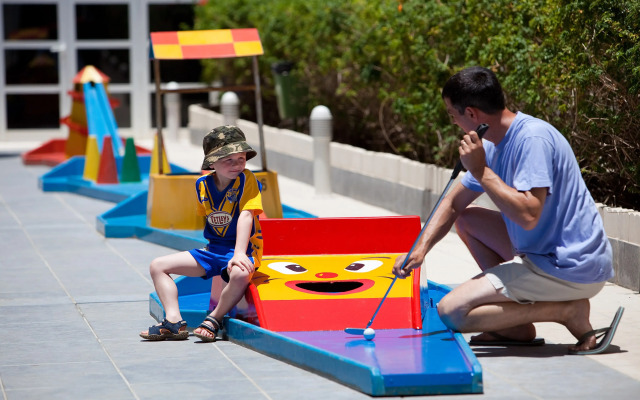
102, 22
29, 67
30, 22
33, 111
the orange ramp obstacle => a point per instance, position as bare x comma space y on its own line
331, 273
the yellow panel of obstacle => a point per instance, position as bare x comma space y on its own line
270, 193
171, 203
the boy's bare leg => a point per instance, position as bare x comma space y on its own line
476, 306
230, 296
484, 233
161, 269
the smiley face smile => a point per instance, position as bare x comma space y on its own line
331, 287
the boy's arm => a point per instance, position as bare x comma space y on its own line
243, 233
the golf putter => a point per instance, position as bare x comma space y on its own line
480, 130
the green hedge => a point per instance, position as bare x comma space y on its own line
380, 66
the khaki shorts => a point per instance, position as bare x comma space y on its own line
522, 281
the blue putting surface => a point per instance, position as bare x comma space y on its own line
396, 362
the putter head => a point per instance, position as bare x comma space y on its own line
354, 331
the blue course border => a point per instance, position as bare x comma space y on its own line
68, 177
397, 362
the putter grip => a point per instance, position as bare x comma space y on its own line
480, 130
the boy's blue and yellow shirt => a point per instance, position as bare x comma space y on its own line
222, 209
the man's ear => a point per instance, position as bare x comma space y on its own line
471, 112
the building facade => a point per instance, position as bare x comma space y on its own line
45, 43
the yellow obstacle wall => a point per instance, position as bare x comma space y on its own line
171, 203
270, 193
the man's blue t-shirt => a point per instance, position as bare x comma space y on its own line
569, 241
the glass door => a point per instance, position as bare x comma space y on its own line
34, 63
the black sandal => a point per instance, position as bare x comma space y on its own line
167, 330
213, 331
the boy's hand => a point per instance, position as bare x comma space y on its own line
241, 261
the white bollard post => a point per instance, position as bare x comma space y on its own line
230, 108
214, 95
321, 129
172, 107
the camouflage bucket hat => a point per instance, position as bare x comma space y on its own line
223, 141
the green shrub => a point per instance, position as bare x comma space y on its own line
380, 70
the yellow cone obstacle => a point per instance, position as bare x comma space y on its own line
91, 160
153, 169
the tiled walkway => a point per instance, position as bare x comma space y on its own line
72, 304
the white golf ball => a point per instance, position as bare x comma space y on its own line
369, 333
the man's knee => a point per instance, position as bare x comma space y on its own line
461, 224
451, 314
468, 219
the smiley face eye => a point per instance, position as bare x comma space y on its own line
287, 268
363, 266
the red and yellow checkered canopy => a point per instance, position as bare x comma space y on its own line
218, 43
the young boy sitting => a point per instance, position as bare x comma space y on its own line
230, 199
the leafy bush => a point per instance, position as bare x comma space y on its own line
380, 67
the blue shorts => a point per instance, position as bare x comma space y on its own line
214, 259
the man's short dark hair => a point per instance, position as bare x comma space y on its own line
475, 87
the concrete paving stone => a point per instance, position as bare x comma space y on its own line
61, 375
19, 277
15, 243
55, 314
124, 312
39, 211
328, 391
114, 321
7, 219
93, 391
305, 382
133, 348
176, 368
215, 387
34, 298
25, 329
137, 252
86, 207
53, 351
27, 260
52, 239
26, 334
580, 377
